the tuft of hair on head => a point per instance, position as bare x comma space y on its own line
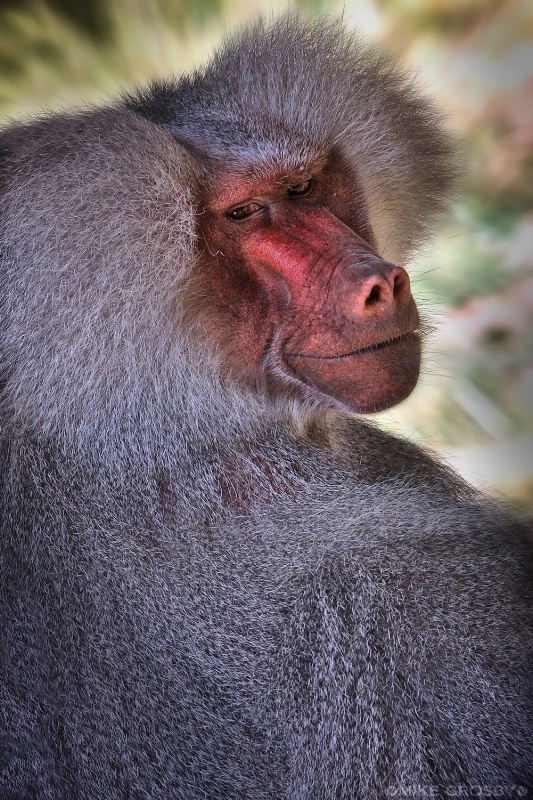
296, 88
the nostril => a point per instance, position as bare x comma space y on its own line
400, 284
374, 295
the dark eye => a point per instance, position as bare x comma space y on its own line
242, 212
301, 189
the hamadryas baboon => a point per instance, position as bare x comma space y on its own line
217, 581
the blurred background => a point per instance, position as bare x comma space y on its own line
475, 397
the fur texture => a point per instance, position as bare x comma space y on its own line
205, 594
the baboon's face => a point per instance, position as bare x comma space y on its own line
298, 298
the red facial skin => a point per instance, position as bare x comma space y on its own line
299, 300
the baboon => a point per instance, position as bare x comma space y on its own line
217, 580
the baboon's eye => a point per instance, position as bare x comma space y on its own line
242, 212
301, 189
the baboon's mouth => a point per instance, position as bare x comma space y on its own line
366, 379
413, 335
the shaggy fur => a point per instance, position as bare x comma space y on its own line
204, 593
